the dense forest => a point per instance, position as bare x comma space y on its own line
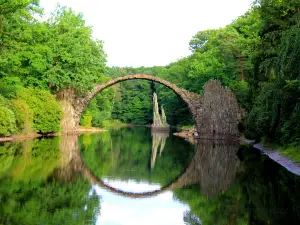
257, 56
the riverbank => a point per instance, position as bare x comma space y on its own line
21, 137
275, 155
187, 132
280, 156
90, 130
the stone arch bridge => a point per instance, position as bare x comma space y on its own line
215, 113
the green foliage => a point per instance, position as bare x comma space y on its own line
242, 92
135, 104
257, 56
7, 121
29, 110
10, 86
77, 60
54, 54
23, 115
292, 152
132, 100
46, 110
87, 119
263, 117
100, 109
47, 55
275, 83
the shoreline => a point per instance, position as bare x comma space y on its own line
274, 154
22, 137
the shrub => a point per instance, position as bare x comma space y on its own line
7, 121
261, 120
46, 111
23, 115
87, 120
241, 91
9, 86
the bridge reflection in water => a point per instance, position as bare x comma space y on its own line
40, 184
213, 166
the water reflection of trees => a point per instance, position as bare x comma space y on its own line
35, 190
41, 180
127, 153
254, 190
212, 161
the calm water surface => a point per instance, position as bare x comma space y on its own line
131, 176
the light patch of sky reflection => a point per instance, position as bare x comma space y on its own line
131, 185
157, 210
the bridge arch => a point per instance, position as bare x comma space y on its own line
215, 115
74, 106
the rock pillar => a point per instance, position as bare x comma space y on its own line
159, 121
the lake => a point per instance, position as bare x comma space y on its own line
132, 176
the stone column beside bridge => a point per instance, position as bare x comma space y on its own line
215, 113
219, 114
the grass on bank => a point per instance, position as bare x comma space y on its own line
291, 151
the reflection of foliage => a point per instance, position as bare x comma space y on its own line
226, 207
126, 153
26, 199
52, 203
263, 193
272, 192
31, 159
190, 219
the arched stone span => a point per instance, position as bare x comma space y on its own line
215, 114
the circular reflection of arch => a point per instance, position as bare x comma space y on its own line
72, 163
95, 180
213, 166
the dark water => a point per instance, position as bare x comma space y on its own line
131, 176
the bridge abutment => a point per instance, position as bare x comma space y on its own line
218, 117
71, 111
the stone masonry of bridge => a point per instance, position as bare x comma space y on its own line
215, 113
